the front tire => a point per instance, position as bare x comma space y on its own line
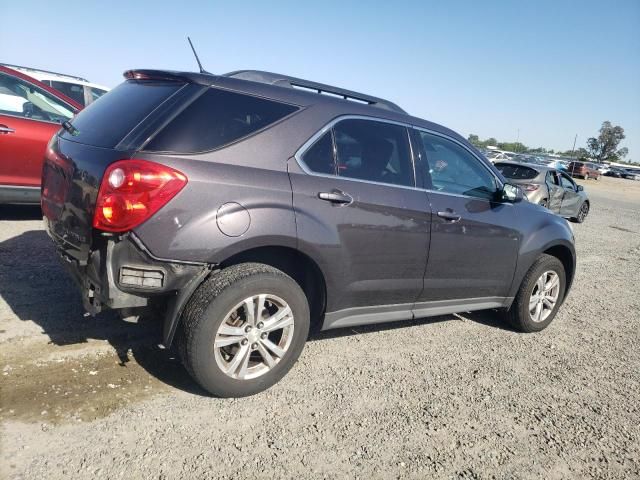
582, 213
243, 329
540, 295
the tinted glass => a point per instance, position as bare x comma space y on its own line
215, 119
374, 151
319, 158
23, 99
108, 121
96, 93
71, 90
518, 172
452, 169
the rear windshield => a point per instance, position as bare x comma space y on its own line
215, 119
107, 121
519, 172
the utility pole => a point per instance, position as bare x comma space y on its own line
574, 144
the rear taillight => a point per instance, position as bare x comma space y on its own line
132, 191
531, 187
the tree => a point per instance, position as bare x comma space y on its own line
474, 140
605, 146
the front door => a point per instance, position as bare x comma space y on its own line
29, 117
570, 200
474, 237
359, 214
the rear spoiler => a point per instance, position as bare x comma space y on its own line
156, 75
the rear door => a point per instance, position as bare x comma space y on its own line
29, 117
570, 200
358, 212
474, 237
556, 192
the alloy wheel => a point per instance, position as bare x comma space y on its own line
254, 336
544, 296
582, 214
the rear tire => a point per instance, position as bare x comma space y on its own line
523, 313
232, 360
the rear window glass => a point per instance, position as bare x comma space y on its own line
107, 121
516, 171
215, 119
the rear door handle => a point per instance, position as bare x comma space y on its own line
449, 215
5, 129
336, 197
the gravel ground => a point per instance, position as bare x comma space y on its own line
449, 397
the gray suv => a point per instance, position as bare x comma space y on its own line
251, 207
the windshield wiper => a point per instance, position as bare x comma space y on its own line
70, 128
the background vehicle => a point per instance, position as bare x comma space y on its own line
548, 187
616, 172
246, 205
584, 170
30, 114
79, 89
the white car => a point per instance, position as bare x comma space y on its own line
76, 88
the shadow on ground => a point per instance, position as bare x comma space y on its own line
36, 287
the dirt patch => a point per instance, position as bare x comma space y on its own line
46, 383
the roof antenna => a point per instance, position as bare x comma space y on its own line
202, 70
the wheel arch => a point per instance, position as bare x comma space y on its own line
565, 255
299, 266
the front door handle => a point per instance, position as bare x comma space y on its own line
450, 216
5, 129
336, 197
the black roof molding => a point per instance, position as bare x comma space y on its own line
320, 88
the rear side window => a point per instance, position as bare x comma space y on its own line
215, 119
516, 172
108, 121
319, 158
71, 90
373, 151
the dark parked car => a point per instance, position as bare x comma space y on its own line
584, 170
251, 207
548, 187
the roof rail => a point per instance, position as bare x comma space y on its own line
320, 88
44, 71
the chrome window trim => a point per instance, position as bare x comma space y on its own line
316, 136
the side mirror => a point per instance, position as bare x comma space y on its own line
512, 193
580, 188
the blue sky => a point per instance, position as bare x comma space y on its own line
550, 69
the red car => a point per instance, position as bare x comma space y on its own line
584, 170
30, 113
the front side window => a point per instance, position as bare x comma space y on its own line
23, 99
452, 169
373, 151
215, 119
567, 183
